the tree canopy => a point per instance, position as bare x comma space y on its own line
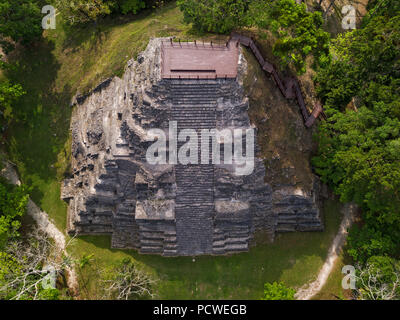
85, 11
20, 20
13, 201
359, 144
278, 291
298, 31
215, 16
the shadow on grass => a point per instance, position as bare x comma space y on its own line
42, 115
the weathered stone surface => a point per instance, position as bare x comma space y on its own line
170, 209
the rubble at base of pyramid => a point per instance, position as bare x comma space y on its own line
171, 209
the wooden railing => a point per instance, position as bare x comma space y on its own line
178, 43
289, 87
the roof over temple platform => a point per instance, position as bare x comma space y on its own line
199, 60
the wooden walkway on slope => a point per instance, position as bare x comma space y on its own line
289, 87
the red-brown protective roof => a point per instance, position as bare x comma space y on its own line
199, 60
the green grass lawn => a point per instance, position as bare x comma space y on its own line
67, 61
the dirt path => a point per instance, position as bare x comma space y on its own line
43, 222
311, 289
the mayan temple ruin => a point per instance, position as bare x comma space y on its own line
174, 209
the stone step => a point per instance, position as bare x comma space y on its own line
194, 85
219, 251
170, 240
194, 191
207, 182
101, 212
93, 228
199, 118
193, 114
190, 100
170, 253
170, 246
176, 110
316, 226
210, 95
152, 236
168, 233
230, 242
188, 189
192, 92
285, 227
194, 103
189, 177
236, 247
151, 243
196, 122
154, 250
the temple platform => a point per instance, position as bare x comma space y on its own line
198, 60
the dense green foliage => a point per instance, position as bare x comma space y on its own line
278, 291
372, 239
379, 279
359, 144
84, 11
13, 200
9, 93
20, 20
133, 6
299, 32
21, 260
215, 16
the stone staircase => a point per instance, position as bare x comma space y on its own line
232, 238
297, 214
194, 107
126, 230
157, 239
